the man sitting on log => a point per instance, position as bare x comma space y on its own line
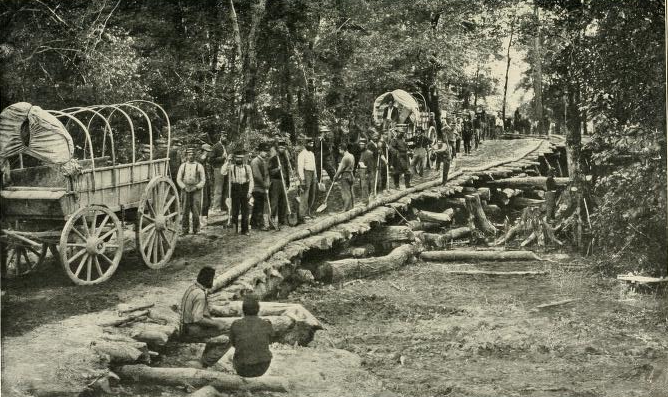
196, 323
251, 337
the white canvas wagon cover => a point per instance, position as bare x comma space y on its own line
48, 140
406, 105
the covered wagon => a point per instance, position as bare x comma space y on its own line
77, 207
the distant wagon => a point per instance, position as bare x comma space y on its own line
77, 207
400, 110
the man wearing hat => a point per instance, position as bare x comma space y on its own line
367, 169
421, 143
241, 187
278, 165
175, 157
204, 159
322, 150
345, 176
308, 181
191, 179
261, 184
399, 159
144, 152
218, 159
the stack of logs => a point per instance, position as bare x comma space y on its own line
141, 334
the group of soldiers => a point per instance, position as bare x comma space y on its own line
213, 181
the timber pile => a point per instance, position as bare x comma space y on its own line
468, 255
534, 226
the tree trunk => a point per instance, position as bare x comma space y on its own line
466, 255
206, 391
441, 240
477, 215
521, 202
248, 113
292, 310
436, 217
538, 74
200, 378
122, 352
505, 84
334, 271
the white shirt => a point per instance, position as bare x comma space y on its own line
305, 162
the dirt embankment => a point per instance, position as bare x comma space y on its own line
423, 332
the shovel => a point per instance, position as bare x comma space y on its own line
228, 199
323, 206
271, 220
321, 184
293, 218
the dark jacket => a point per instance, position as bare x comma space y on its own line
251, 337
399, 155
260, 171
274, 172
369, 161
218, 155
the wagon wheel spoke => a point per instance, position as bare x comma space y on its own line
34, 251
77, 255
148, 239
147, 227
102, 225
167, 240
83, 261
155, 249
168, 204
78, 233
111, 246
93, 224
172, 215
150, 207
85, 226
148, 217
98, 267
11, 257
162, 197
161, 246
89, 266
76, 245
106, 258
107, 234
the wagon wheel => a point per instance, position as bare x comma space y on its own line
158, 216
18, 258
91, 245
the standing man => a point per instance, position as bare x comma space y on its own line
498, 124
175, 158
278, 165
381, 155
261, 183
308, 181
322, 150
399, 160
345, 174
367, 170
241, 186
191, 179
477, 130
421, 143
204, 154
443, 151
218, 160
467, 134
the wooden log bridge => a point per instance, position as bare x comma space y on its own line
466, 255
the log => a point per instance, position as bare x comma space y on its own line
360, 252
438, 217
530, 182
465, 255
153, 338
390, 233
440, 240
521, 202
123, 308
484, 193
497, 273
200, 378
550, 204
206, 391
458, 202
293, 310
334, 271
125, 320
477, 215
121, 352
424, 226
558, 303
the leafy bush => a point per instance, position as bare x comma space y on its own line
630, 221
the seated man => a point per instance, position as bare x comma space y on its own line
251, 337
196, 324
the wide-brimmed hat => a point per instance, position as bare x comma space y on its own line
323, 128
281, 142
239, 153
206, 147
190, 150
263, 146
